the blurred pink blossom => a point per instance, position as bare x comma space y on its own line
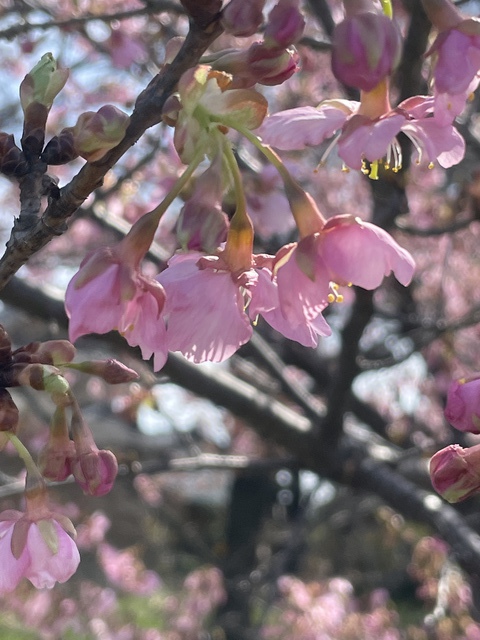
463, 404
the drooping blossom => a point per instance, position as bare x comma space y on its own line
343, 250
455, 472
463, 404
36, 545
109, 292
455, 56
204, 309
367, 130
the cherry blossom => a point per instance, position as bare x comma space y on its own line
463, 404
36, 546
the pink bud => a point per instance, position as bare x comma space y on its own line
242, 18
271, 66
463, 404
96, 133
54, 461
366, 48
455, 472
95, 471
112, 371
285, 24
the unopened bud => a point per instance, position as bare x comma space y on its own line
455, 472
285, 24
95, 471
242, 18
366, 48
96, 133
271, 66
112, 371
56, 352
43, 377
60, 149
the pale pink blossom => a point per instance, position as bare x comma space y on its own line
301, 321
362, 137
204, 311
109, 293
39, 549
345, 251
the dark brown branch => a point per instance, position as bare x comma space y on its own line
147, 113
353, 463
155, 6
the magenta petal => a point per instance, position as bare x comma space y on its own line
301, 127
361, 253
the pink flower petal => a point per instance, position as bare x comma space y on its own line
304, 126
364, 138
46, 568
361, 253
204, 311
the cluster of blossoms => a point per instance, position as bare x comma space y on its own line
38, 544
366, 50
204, 302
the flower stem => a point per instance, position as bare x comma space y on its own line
34, 477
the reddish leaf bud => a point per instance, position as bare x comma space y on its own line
60, 149
12, 159
8, 412
455, 472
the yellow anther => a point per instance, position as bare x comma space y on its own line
331, 298
431, 165
339, 298
374, 170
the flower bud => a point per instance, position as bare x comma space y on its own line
202, 225
44, 377
285, 25
95, 471
455, 472
112, 371
96, 133
463, 404
55, 352
43, 83
242, 18
60, 149
366, 49
271, 66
